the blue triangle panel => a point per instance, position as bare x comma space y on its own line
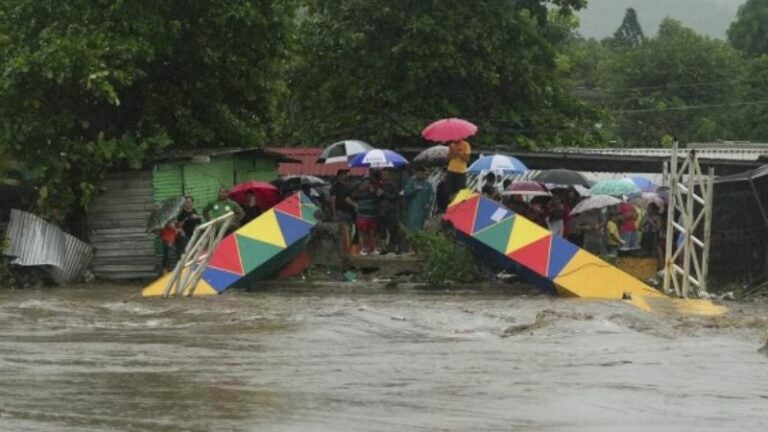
486, 211
220, 279
305, 199
293, 229
560, 255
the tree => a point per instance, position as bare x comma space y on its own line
749, 32
678, 83
93, 84
382, 69
629, 33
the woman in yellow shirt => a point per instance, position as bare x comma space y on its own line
458, 156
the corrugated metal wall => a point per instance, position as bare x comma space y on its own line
35, 242
203, 180
117, 220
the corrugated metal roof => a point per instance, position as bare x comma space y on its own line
308, 163
35, 242
187, 154
723, 153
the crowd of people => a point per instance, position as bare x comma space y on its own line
636, 226
380, 209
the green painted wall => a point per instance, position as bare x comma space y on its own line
254, 169
203, 180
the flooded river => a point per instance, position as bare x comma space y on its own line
105, 359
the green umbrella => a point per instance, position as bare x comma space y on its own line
614, 187
164, 212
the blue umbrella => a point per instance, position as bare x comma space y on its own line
498, 163
378, 158
646, 185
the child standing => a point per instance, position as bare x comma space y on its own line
613, 239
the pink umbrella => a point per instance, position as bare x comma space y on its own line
530, 188
450, 129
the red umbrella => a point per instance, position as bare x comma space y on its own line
531, 188
450, 129
267, 195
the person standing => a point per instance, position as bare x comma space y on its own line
613, 239
365, 202
628, 227
389, 213
590, 224
188, 220
251, 209
341, 210
458, 157
418, 200
222, 206
442, 195
168, 236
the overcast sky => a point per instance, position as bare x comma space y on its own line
711, 17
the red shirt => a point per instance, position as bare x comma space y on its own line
168, 235
629, 214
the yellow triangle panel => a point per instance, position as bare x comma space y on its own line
462, 195
524, 232
265, 229
203, 289
588, 276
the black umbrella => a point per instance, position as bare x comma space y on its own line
562, 178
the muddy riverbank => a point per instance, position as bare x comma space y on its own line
103, 358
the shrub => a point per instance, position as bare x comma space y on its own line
447, 260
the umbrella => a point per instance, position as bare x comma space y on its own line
438, 153
595, 202
562, 178
300, 180
581, 190
498, 163
530, 188
343, 151
267, 195
645, 184
642, 199
377, 158
450, 129
164, 212
614, 187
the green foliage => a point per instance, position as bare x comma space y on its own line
382, 69
447, 260
630, 33
749, 32
676, 83
9, 169
89, 85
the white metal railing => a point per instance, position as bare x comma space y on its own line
197, 254
690, 196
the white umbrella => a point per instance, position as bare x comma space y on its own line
595, 202
343, 151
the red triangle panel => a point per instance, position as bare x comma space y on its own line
535, 256
227, 256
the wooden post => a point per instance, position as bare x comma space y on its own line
688, 222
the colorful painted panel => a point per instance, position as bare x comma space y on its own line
253, 245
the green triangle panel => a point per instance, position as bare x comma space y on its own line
308, 213
497, 236
254, 253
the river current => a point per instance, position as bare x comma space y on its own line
105, 359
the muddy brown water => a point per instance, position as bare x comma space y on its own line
104, 359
